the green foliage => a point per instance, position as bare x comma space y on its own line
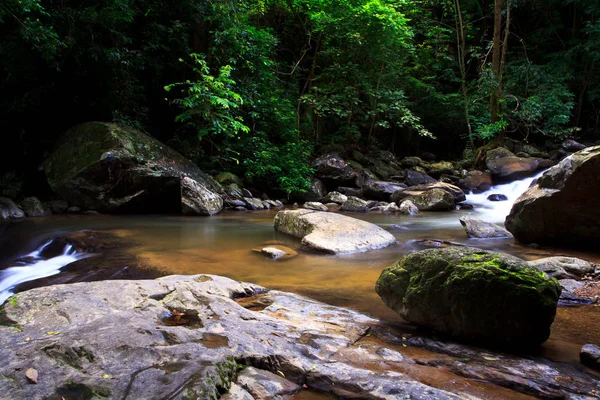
209, 103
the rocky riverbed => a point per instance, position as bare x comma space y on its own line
201, 336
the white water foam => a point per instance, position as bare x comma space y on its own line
496, 211
36, 269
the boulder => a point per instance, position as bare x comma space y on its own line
563, 267
234, 191
227, 178
354, 204
390, 208
407, 207
590, 356
332, 233
313, 205
476, 182
454, 191
561, 207
274, 203
497, 197
261, 384
476, 295
434, 200
315, 192
253, 203
511, 168
414, 178
410, 162
335, 197
497, 153
9, 210
572, 146
479, 229
197, 199
350, 191
332, 169
381, 190
33, 207
111, 168
438, 169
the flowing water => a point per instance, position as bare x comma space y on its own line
223, 245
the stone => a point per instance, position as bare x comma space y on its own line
590, 356
476, 295
409, 162
332, 169
354, 204
476, 182
497, 153
497, 197
390, 208
236, 203
263, 384
561, 207
227, 178
414, 178
240, 208
434, 200
438, 169
266, 205
511, 168
455, 191
407, 207
381, 190
197, 199
236, 392
112, 168
572, 146
275, 203
335, 197
570, 285
73, 210
253, 203
57, 206
332, 233
33, 207
315, 192
9, 210
350, 191
273, 252
315, 206
479, 229
563, 267
234, 191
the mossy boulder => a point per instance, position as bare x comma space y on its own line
112, 168
479, 296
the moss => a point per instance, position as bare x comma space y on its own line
472, 293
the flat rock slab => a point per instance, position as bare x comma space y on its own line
332, 233
479, 229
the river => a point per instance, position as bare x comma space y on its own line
223, 245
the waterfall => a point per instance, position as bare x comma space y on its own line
496, 211
34, 266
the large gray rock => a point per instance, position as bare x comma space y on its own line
473, 294
110, 168
335, 197
332, 169
9, 210
184, 337
563, 267
590, 356
197, 199
561, 208
332, 233
511, 168
354, 204
433, 200
455, 191
381, 190
477, 228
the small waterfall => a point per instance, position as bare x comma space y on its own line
496, 211
34, 266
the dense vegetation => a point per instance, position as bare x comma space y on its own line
258, 86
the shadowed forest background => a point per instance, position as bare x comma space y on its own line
259, 87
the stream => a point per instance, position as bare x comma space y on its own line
223, 245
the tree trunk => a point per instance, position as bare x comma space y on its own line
496, 52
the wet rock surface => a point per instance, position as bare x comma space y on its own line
112, 339
479, 229
477, 295
561, 208
332, 233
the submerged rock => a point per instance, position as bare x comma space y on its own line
563, 267
476, 295
561, 208
9, 210
111, 168
332, 233
477, 228
497, 197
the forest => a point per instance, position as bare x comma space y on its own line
260, 87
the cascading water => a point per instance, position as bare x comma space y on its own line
496, 211
35, 266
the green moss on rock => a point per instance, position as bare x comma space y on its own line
473, 294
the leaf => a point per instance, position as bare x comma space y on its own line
490, 359
32, 375
52, 333
106, 376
